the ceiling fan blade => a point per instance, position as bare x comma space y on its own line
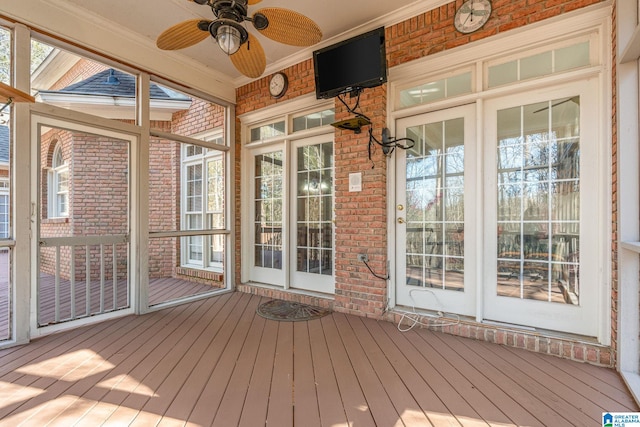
182, 35
289, 27
250, 59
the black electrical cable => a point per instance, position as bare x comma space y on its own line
375, 275
387, 145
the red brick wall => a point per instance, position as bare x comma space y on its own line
433, 31
164, 197
98, 199
361, 218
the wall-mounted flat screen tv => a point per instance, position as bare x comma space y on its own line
351, 65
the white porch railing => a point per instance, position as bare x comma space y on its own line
67, 294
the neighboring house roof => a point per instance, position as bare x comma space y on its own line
4, 144
112, 94
112, 82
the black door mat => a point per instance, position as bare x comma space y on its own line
289, 311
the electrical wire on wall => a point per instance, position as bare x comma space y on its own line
388, 143
374, 273
414, 318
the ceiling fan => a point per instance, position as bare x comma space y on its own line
244, 49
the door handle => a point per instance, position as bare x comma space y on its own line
401, 221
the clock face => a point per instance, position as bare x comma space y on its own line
278, 85
472, 15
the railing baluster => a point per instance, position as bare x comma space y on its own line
68, 278
101, 278
56, 288
115, 277
72, 280
88, 278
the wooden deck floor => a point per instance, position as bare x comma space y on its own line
216, 363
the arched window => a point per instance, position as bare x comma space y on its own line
58, 185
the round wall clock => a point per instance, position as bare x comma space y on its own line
472, 15
278, 85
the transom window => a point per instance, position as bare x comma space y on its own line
269, 130
547, 62
436, 90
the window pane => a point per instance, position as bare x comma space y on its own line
572, 57
270, 130
459, 85
503, 73
436, 90
435, 206
315, 209
536, 66
268, 210
539, 201
312, 120
216, 190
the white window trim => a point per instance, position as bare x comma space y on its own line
593, 20
205, 264
54, 181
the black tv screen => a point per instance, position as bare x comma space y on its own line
357, 63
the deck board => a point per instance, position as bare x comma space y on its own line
209, 399
216, 362
280, 411
233, 401
328, 394
453, 369
406, 408
605, 382
355, 404
544, 383
306, 411
256, 403
422, 380
510, 386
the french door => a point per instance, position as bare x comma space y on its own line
434, 212
544, 231
292, 215
505, 224
312, 216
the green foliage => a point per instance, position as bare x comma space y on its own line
5, 56
39, 52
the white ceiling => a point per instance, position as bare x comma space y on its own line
337, 19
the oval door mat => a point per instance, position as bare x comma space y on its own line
289, 311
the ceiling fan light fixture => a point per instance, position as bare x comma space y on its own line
228, 39
229, 34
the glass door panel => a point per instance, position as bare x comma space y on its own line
544, 254
313, 217
268, 217
432, 218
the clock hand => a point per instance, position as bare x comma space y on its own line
468, 16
